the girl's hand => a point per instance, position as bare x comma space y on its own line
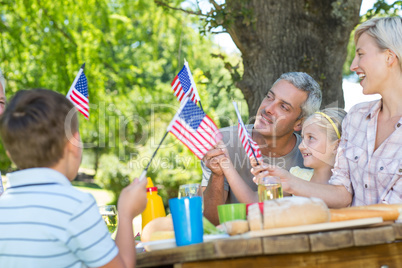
264, 170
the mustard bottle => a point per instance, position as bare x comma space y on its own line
154, 208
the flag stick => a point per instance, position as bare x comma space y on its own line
144, 173
201, 105
241, 122
251, 147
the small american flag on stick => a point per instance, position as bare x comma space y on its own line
78, 93
250, 146
183, 85
194, 129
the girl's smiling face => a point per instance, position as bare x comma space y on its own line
316, 148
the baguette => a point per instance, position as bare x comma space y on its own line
345, 214
254, 217
293, 211
389, 212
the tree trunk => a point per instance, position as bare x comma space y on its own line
278, 36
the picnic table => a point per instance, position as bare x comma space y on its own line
379, 246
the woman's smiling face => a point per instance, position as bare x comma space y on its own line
370, 64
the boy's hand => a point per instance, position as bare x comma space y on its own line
133, 199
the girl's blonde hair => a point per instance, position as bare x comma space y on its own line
335, 115
387, 32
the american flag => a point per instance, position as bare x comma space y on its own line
78, 93
194, 129
183, 85
251, 147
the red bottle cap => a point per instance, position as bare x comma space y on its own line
152, 189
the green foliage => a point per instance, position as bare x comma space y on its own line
132, 50
380, 9
112, 175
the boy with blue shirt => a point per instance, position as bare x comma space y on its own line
45, 221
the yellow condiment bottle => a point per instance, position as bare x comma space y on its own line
154, 208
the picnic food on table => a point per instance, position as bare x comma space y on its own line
235, 227
162, 235
388, 212
284, 212
209, 228
161, 224
254, 217
294, 211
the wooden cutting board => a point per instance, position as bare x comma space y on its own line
313, 227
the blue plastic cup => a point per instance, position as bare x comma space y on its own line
187, 220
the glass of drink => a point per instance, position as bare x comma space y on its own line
269, 187
109, 215
191, 190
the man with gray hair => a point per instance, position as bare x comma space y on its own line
293, 97
2, 106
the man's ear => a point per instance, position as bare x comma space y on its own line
298, 125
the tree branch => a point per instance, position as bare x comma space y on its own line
215, 4
56, 26
163, 4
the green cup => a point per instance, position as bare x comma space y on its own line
230, 212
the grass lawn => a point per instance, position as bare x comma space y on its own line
102, 196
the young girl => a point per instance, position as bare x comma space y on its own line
321, 134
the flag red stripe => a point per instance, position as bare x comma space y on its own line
194, 137
82, 111
210, 125
182, 94
79, 104
175, 80
198, 154
184, 138
248, 143
80, 96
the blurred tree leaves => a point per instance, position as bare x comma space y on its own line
132, 50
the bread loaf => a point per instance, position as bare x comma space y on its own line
236, 227
345, 214
162, 235
389, 212
254, 217
157, 225
294, 211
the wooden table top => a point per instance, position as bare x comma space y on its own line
380, 246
